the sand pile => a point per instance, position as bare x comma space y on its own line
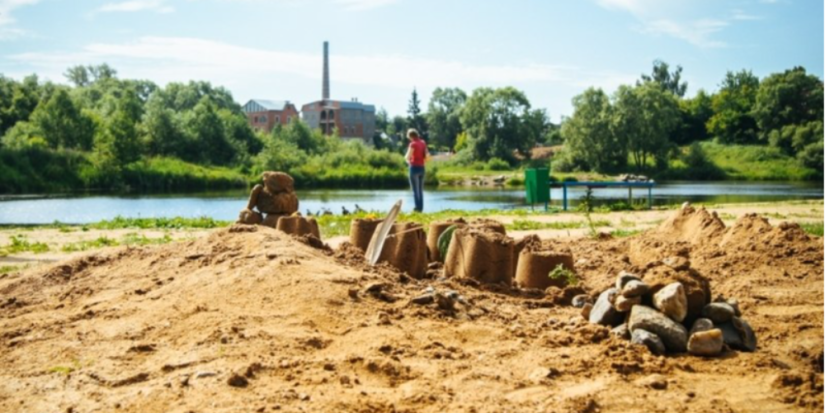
275, 204
250, 319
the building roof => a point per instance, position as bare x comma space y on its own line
262, 105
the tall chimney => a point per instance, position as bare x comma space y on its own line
326, 71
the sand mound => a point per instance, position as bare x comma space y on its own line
251, 319
692, 225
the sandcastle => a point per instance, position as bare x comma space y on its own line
275, 204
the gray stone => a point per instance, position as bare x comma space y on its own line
677, 263
701, 324
445, 301
624, 278
719, 312
672, 334
672, 301
706, 343
423, 299
621, 331
580, 300
624, 304
649, 340
634, 288
738, 334
603, 312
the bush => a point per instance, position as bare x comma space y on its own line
496, 164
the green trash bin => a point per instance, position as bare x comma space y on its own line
537, 185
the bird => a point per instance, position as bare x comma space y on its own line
309, 213
344, 210
358, 209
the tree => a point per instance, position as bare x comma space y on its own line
79, 75
17, 101
62, 123
122, 128
643, 118
695, 114
162, 130
500, 122
789, 110
588, 139
669, 81
444, 115
414, 118
206, 128
732, 121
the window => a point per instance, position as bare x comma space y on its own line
289, 119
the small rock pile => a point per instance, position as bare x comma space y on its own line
659, 319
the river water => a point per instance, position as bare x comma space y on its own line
225, 205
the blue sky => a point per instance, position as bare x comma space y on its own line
382, 49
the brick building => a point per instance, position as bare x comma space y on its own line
265, 114
352, 119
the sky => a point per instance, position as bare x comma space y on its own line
380, 50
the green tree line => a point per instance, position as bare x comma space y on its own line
641, 127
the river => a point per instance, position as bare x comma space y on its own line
225, 205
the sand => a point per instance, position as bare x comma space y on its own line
247, 318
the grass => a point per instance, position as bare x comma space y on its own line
159, 223
623, 233
528, 225
130, 239
812, 228
19, 243
560, 272
334, 225
747, 163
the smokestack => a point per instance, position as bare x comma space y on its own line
326, 71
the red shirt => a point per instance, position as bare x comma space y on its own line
418, 152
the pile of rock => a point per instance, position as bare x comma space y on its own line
274, 200
658, 319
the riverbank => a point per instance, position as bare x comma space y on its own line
33, 245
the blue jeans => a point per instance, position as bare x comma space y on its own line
417, 184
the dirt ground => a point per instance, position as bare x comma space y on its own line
250, 319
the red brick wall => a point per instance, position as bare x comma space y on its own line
273, 117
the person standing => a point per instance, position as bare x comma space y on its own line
416, 156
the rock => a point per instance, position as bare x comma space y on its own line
621, 331
671, 301
701, 324
624, 304
672, 334
204, 374
634, 288
445, 302
586, 310
624, 278
719, 312
654, 381
423, 299
706, 343
649, 340
580, 300
738, 334
236, 380
696, 287
603, 312
677, 263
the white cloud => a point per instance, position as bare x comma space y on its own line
7, 21
682, 19
698, 33
174, 58
158, 6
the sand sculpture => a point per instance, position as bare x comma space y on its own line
275, 204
